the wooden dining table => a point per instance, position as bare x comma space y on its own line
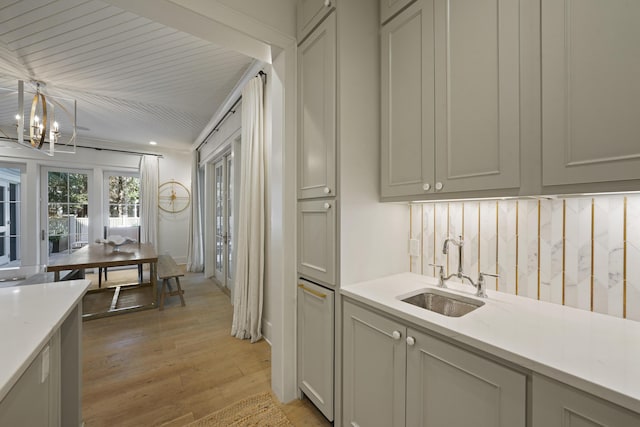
101, 255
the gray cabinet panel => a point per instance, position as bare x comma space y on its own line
317, 112
558, 405
448, 386
373, 369
315, 345
310, 13
388, 8
590, 91
408, 102
477, 94
317, 240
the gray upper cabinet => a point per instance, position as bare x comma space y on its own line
450, 98
388, 8
310, 13
558, 405
317, 112
317, 240
590, 91
449, 386
407, 126
373, 369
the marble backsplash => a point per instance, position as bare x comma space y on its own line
583, 252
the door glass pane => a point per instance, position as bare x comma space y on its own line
229, 217
219, 217
10, 217
68, 211
124, 201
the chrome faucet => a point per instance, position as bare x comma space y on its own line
480, 286
445, 250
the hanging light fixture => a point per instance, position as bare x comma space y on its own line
42, 122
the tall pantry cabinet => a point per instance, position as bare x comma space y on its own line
317, 202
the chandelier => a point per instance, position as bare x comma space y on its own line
44, 126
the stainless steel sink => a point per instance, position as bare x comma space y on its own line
444, 303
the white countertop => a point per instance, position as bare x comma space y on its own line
593, 352
29, 315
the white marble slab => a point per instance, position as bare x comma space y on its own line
590, 351
29, 315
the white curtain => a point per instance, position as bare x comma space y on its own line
249, 273
195, 255
149, 200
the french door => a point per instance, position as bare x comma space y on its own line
223, 208
65, 211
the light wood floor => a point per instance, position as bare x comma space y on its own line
169, 368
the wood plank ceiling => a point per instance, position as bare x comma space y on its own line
134, 80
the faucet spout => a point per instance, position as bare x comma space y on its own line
459, 243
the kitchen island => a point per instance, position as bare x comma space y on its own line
40, 362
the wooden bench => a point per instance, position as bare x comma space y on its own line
167, 270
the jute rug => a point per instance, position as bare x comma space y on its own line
257, 410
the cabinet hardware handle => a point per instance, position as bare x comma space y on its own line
327, 3
311, 291
439, 186
327, 205
396, 335
326, 190
411, 340
426, 186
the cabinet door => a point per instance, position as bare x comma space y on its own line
408, 102
34, 400
317, 240
317, 112
388, 8
590, 91
558, 405
374, 354
448, 386
310, 13
477, 94
315, 345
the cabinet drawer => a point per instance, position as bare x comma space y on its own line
317, 240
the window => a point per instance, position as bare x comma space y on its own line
123, 199
67, 211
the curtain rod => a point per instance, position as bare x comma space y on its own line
137, 153
230, 111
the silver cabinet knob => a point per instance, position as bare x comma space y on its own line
327, 3
426, 186
396, 335
327, 205
439, 186
326, 190
411, 340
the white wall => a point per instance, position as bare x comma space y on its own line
373, 236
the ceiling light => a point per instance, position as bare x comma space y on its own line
47, 116
153, 143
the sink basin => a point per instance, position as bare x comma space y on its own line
444, 303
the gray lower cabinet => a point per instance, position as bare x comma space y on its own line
34, 400
394, 375
559, 405
449, 386
374, 369
315, 345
